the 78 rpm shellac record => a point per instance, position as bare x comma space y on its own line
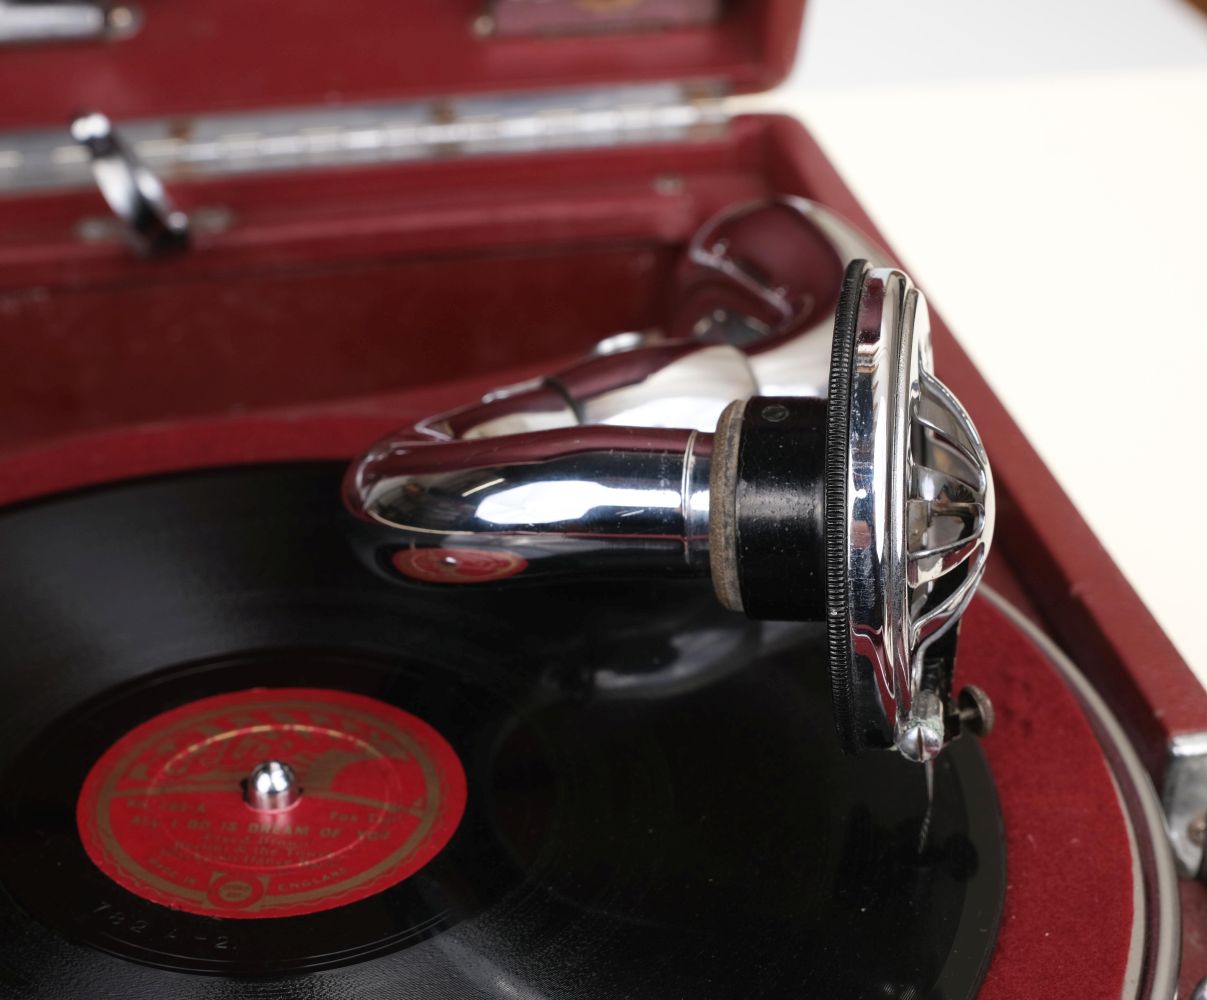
494, 790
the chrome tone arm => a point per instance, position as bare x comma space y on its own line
430, 482
859, 494
586, 501
772, 272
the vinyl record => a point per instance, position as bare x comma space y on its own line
519, 791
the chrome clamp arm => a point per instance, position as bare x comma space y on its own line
151, 223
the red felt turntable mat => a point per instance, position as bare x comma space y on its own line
1067, 924
1067, 919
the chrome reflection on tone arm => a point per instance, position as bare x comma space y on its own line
590, 500
785, 357
780, 366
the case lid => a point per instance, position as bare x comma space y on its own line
184, 57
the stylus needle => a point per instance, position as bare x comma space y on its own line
929, 765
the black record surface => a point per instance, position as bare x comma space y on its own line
657, 803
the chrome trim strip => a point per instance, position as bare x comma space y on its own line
32, 22
207, 145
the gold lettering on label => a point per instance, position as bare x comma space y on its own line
205, 756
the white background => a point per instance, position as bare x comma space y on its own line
1042, 167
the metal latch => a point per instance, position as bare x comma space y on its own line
153, 225
1185, 801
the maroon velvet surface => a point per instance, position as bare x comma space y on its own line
1067, 850
224, 55
1067, 922
96, 367
331, 285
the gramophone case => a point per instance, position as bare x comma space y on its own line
372, 241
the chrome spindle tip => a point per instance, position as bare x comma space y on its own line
271, 787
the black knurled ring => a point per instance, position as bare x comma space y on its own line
838, 423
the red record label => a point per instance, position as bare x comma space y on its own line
458, 565
163, 812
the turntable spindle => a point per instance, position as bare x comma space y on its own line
271, 787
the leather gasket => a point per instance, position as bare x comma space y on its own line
723, 520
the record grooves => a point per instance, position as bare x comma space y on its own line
655, 802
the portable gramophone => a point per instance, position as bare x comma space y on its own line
608, 670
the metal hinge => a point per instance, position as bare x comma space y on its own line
1185, 801
252, 142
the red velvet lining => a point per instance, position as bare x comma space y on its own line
439, 205
1067, 921
224, 55
404, 276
